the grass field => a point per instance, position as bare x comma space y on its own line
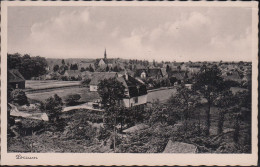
84, 92
35, 84
162, 95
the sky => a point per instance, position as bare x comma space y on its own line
150, 33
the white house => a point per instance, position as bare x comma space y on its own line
135, 92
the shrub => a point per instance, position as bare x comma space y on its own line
72, 99
18, 96
53, 107
85, 82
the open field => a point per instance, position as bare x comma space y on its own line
87, 96
162, 95
84, 92
36, 84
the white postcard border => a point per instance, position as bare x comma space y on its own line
127, 158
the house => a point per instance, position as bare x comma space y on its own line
155, 73
72, 74
15, 79
180, 147
141, 73
194, 68
180, 76
164, 72
233, 76
135, 91
98, 76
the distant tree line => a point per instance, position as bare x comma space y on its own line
28, 66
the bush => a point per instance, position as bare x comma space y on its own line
18, 96
53, 107
64, 78
85, 82
72, 99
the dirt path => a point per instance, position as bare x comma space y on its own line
82, 106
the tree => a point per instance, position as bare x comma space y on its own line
185, 101
209, 83
107, 68
82, 69
111, 92
73, 67
225, 103
72, 99
168, 69
28, 66
91, 69
56, 68
53, 107
62, 62
18, 96
179, 68
85, 81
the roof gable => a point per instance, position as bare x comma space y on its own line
97, 77
15, 76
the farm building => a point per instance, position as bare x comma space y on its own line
153, 72
179, 147
15, 79
97, 77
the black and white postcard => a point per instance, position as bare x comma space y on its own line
129, 83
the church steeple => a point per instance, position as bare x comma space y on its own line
105, 54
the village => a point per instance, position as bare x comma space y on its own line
121, 105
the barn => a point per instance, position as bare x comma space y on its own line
15, 79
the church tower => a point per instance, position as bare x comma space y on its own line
105, 54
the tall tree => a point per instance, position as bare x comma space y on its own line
56, 68
111, 92
185, 100
209, 84
27, 65
91, 69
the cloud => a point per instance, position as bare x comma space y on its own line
144, 33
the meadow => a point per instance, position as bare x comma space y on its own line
41, 90
46, 84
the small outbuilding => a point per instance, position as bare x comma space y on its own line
15, 79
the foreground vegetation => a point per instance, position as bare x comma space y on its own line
208, 115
